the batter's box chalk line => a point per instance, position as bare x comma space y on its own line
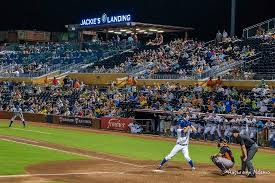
59, 174
34, 131
158, 171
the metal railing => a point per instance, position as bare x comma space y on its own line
44, 71
264, 76
38, 73
252, 30
137, 69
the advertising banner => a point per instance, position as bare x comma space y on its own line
75, 121
112, 123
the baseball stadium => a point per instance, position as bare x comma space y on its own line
166, 91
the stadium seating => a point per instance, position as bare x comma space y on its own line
180, 59
27, 59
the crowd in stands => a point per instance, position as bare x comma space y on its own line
28, 58
183, 57
25, 58
75, 98
157, 41
193, 58
267, 35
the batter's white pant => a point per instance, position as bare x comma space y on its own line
17, 115
176, 149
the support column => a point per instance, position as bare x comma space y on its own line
81, 39
185, 35
106, 34
233, 17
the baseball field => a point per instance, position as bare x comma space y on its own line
44, 153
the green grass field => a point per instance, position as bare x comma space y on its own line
136, 148
15, 157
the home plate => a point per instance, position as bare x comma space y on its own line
158, 171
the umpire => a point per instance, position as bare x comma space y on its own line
249, 149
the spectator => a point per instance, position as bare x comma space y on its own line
46, 80
224, 35
130, 39
77, 84
219, 37
55, 81
218, 81
210, 83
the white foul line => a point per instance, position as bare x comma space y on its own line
74, 153
58, 174
27, 140
32, 131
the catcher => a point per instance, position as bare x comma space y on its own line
224, 159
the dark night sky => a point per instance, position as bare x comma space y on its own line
206, 16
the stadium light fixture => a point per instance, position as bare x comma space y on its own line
110, 31
153, 30
141, 31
